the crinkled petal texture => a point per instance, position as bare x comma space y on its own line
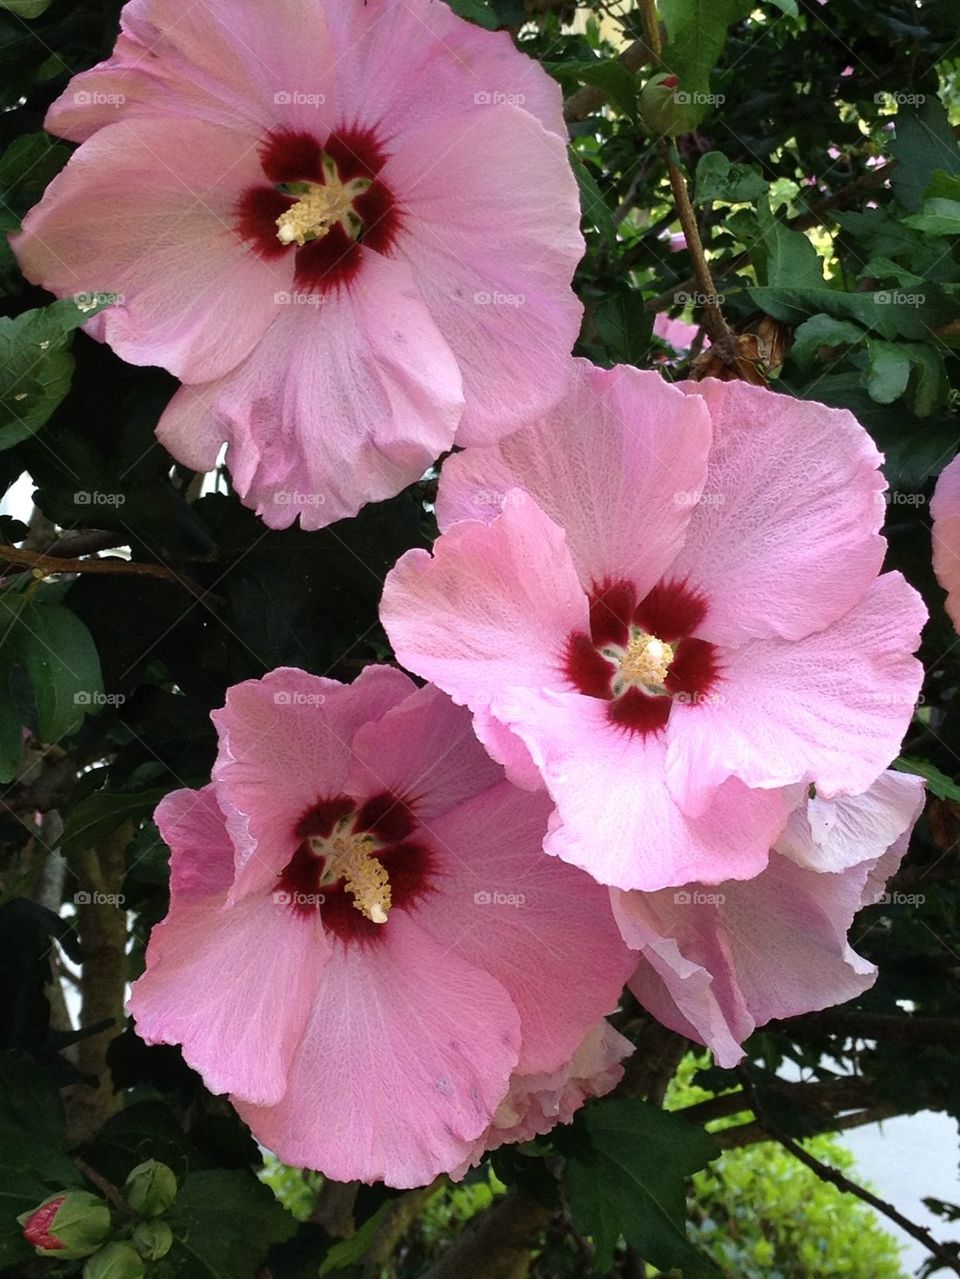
337, 370
537, 1103
344, 1047
493, 257
341, 403
735, 539
785, 538
718, 962
144, 210
830, 709
617, 465
945, 511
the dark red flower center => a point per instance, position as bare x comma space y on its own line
356, 864
641, 657
326, 199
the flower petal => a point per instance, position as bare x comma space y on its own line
945, 510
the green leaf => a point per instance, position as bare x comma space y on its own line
823, 331
26, 8
784, 258
626, 1174
61, 662
349, 1251
924, 144
890, 367
887, 373
223, 1223
696, 34
98, 814
624, 325
938, 783
476, 11
886, 312
593, 207
35, 364
33, 1163
717, 178
938, 217
608, 75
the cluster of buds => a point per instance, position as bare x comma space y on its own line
75, 1224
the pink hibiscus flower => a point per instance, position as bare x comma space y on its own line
945, 511
666, 607
366, 946
310, 213
718, 962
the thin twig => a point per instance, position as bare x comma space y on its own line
834, 1177
45, 565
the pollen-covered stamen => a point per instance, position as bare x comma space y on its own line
350, 857
644, 663
321, 207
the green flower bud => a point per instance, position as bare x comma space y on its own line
664, 108
152, 1239
71, 1224
151, 1189
116, 1261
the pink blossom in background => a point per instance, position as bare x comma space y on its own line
945, 512
366, 947
678, 333
664, 606
310, 213
719, 961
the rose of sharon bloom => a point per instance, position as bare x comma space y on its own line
666, 607
366, 947
719, 961
945, 510
349, 226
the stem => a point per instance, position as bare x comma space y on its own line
46, 565
714, 323
836, 1178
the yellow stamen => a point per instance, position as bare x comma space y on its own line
350, 858
315, 213
646, 661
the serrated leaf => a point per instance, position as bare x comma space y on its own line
938, 783
60, 659
938, 216
784, 258
223, 1224
717, 178
36, 366
626, 1174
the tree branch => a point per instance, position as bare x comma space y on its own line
44, 565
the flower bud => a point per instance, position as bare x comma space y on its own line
151, 1188
664, 108
152, 1239
118, 1260
71, 1224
